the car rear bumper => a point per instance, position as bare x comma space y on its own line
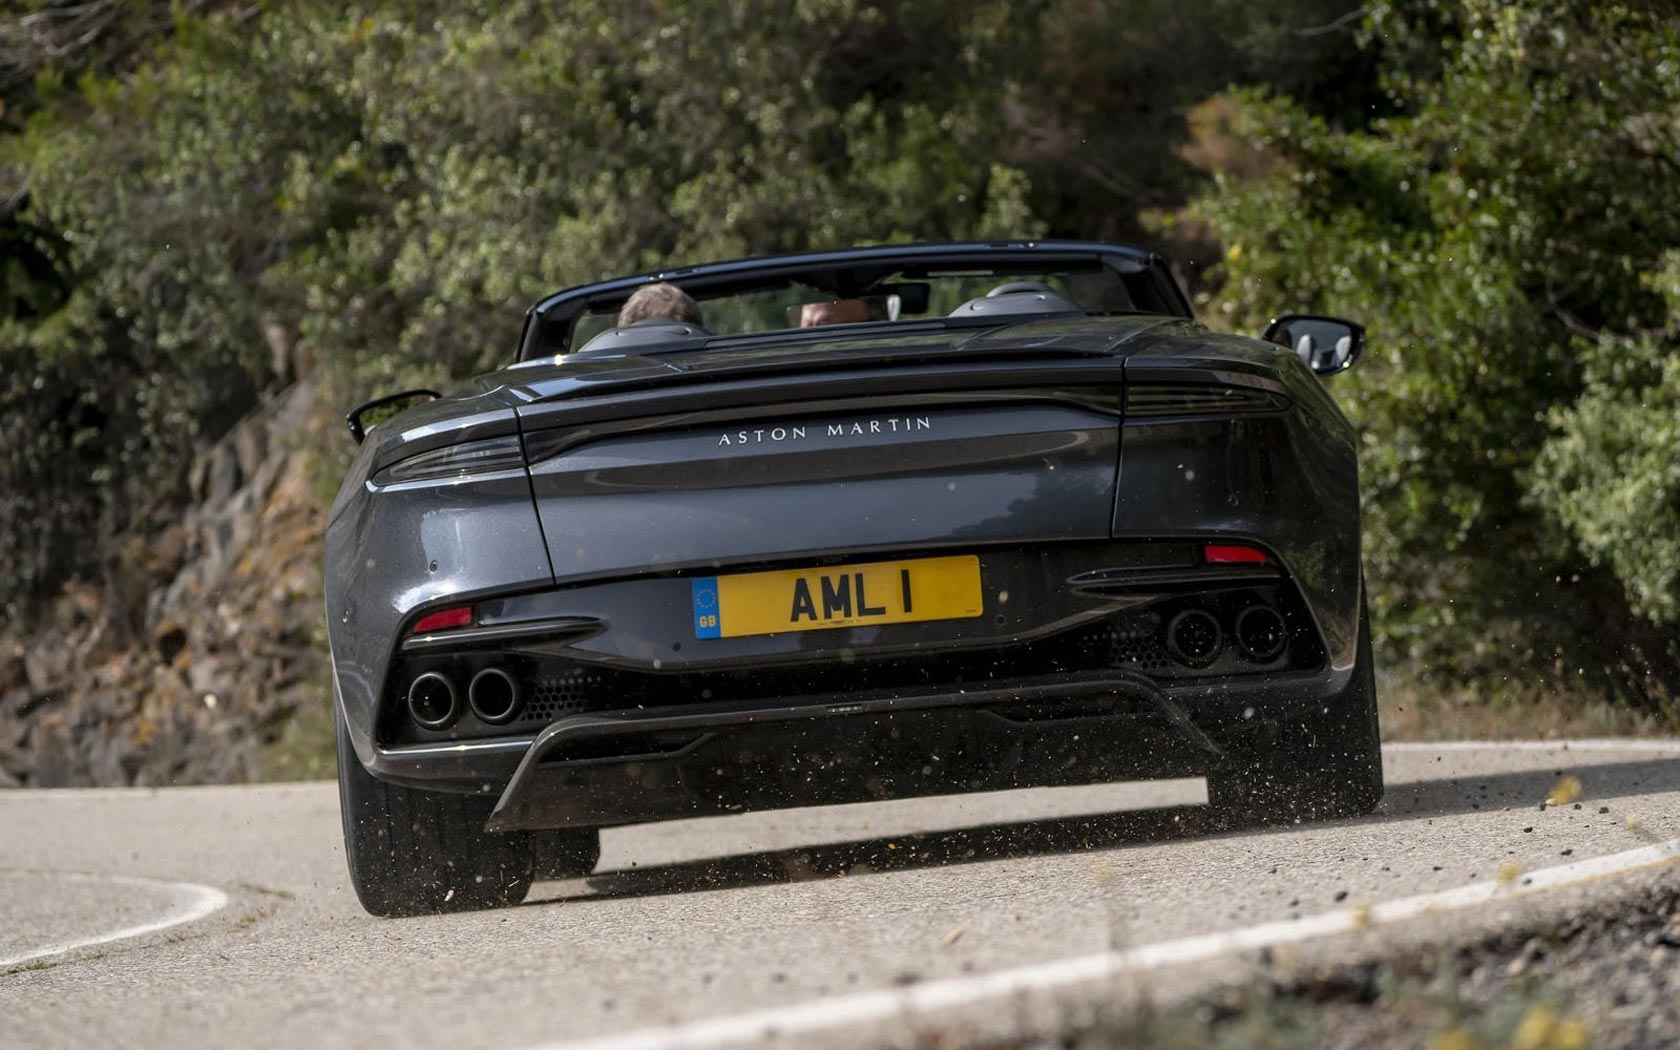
645, 764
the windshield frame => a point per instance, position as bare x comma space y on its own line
550, 323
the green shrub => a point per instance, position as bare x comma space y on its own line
1506, 236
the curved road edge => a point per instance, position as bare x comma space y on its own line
922, 1001
192, 902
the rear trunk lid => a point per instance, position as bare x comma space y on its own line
765, 454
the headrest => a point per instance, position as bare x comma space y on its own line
1018, 297
648, 332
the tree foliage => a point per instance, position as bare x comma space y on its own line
1509, 233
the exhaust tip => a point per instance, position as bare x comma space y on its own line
1194, 638
432, 702
494, 696
1260, 633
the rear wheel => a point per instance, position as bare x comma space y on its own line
414, 852
1326, 764
565, 853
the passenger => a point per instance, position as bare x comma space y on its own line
660, 302
838, 311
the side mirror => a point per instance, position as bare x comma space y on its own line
1327, 345
382, 408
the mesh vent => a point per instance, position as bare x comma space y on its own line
578, 690
1129, 643
1137, 648
1184, 399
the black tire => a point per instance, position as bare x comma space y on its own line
414, 852
565, 853
1327, 764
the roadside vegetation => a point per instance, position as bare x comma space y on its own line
1603, 980
204, 204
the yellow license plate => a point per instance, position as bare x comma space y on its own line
842, 596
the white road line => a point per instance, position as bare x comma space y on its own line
828, 1014
193, 902
71, 794
1605, 744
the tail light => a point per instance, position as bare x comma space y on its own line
1190, 399
470, 457
444, 619
1233, 554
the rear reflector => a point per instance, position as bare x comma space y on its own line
444, 620
1233, 554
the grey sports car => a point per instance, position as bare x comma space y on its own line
1000, 515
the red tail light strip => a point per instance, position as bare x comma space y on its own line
1233, 554
445, 619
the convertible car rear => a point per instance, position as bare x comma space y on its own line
1026, 524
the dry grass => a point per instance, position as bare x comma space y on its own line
1606, 977
1412, 711
304, 748
1372, 1007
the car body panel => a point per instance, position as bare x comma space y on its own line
794, 485
1081, 459
393, 551
1289, 480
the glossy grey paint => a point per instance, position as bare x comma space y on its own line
629, 480
978, 475
392, 551
1289, 481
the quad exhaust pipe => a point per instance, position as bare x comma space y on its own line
494, 696
1194, 638
432, 702
1261, 633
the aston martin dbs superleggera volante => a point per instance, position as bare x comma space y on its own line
1002, 515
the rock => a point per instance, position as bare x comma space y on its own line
44, 666
13, 671
204, 676
52, 760
169, 638
81, 704
250, 447
221, 476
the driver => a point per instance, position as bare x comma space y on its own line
660, 302
837, 311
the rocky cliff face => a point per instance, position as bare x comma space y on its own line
216, 640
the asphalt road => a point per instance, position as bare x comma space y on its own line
221, 916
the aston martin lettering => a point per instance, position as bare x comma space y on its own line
852, 428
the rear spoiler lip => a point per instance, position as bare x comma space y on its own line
991, 344
719, 400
